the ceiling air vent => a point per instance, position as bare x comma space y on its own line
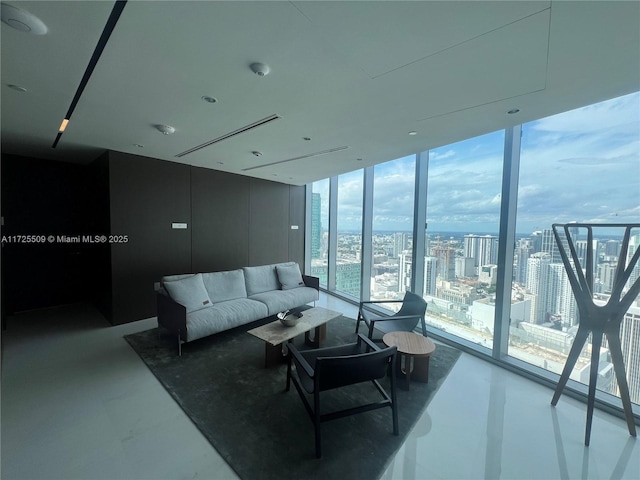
308, 155
240, 130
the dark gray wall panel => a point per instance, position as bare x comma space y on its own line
296, 217
220, 216
233, 221
268, 222
146, 196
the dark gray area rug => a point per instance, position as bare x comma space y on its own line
264, 432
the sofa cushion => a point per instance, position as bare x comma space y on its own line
223, 316
223, 286
171, 278
289, 276
281, 300
189, 291
262, 279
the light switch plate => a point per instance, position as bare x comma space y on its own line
179, 226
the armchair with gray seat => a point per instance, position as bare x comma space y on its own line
323, 369
412, 311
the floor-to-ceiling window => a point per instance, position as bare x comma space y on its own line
320, 230
578, 166
349, 226
461, 243
582, 165
392, 239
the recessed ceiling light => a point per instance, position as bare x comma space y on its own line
358, 159
260, 69
306, 138
165, 129
22, 20
413, 133
256, 153
17, 88
513, 110
138, 145
209, 99
220, 163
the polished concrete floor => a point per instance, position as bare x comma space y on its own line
77, 403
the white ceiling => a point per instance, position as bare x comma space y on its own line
356, 74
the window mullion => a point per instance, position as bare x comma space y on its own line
507, 238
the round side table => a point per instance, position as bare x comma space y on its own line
413, 348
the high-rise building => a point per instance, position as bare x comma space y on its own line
522, 252
605, 275
465, 267
560, 298
348, 278
316, 226
537, 268
612, 248
404, 271
400, 243
446, 262
536, 241
634, 244
630, 339
581, 252
482, 248
430, 275
550, 246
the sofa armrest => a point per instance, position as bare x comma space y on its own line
172, 315
313, 282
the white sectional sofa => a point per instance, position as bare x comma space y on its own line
193, 306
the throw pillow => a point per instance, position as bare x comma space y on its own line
289, 276
189, 292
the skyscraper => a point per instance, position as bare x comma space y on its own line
446, 262
400, 243
581, 251
549, 245
560, 298
316, 226
612, 248
634, 244
522, 252
630, 339
537, 270
404, 271
482, 248
430, 275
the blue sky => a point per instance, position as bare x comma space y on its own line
582, 165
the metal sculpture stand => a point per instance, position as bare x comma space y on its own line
598, 320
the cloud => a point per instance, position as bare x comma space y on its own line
435, 155
620, 115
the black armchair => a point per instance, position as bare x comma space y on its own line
324, 369
406, 320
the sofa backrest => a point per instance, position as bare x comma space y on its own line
262, 278
173, 278
223, 286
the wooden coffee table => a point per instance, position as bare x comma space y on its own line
275, 334
411, 347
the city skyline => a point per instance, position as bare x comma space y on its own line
581, 166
